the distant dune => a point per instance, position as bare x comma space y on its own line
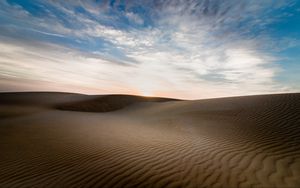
108, 103
66, 140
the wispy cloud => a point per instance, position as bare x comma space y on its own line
186, 49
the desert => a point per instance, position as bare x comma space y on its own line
71, 140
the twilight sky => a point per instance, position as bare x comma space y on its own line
176, 48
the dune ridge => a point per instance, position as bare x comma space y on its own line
108, 103
251, 141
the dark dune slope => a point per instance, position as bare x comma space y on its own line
75, 102
108, 103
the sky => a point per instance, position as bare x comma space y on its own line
189, 49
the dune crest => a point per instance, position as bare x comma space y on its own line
108, 103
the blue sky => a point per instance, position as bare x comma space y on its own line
176, 48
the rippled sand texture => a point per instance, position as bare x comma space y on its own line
70, 140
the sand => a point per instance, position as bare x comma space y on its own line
73, 140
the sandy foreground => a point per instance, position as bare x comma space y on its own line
72, 140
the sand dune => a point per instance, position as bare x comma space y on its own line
63, 140
108, 103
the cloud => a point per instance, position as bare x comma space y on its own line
57, 65
134, 18
185, 49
